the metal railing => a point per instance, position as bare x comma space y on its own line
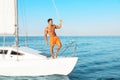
67, 48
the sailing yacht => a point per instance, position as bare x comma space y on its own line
24, 61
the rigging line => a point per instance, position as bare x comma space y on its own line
22, 14
24, 21
56, 10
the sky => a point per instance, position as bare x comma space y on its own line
80, 17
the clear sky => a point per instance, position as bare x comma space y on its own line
80, 17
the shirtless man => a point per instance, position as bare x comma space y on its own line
54, 39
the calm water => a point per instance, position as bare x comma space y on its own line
99, 57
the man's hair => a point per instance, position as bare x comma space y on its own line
50, 19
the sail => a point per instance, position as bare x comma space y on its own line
7, 17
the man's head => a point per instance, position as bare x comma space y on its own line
50, 22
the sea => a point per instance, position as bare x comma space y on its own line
98, 56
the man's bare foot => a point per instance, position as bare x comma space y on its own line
52, 57
56, 54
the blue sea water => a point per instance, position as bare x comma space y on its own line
99, 57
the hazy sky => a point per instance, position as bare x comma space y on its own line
80, 17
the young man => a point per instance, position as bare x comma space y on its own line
54, 39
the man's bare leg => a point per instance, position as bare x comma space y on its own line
51, 51
58, 49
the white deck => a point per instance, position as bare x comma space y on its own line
32, 63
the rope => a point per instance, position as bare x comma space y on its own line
56, 10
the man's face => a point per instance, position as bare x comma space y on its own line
50, 22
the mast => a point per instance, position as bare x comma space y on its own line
16, 26
16, 23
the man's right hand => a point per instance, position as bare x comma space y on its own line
61, 21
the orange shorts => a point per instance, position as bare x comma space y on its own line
54, 40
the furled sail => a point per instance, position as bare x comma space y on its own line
7, 17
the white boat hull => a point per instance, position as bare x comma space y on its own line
61, 66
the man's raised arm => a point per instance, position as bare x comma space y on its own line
59, 26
